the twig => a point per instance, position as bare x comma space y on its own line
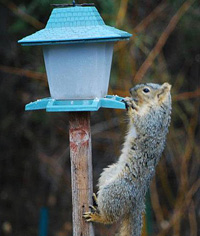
151, 17
155, 203
105, 125
122, 12
143, 24
187, 95
26, 17
182, 207
192, 220
189, 149
162, 175
194, 170
184, 179
162, 40
22, 72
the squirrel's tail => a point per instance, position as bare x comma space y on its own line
131, 225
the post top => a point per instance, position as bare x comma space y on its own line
74, 25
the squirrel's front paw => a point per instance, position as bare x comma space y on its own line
92, 216
95, 216
130, 103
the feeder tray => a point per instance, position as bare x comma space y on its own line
52, 105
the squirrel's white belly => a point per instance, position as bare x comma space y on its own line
111, 173
132, 132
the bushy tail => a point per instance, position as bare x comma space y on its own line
131, 225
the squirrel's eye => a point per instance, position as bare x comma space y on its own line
146, 90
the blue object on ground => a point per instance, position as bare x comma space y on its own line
52, 105
43, 225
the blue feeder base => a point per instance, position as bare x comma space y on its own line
52, 105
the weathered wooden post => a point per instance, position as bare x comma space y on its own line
78, 49
81, 170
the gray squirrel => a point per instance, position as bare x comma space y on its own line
123, 185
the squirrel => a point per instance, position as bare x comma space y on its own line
123, 185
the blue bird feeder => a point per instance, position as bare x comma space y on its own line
78, 50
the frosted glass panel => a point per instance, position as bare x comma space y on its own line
78, 71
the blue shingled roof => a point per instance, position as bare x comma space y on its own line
72, 25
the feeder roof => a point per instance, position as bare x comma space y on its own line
74, 25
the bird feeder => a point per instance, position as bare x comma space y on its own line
78, 50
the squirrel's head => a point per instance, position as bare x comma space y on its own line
151, 94
154, 109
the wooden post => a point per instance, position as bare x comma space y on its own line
81, 171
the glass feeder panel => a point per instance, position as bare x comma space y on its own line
78, 71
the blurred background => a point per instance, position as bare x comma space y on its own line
34, 151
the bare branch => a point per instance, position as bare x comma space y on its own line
162, 40
26, 17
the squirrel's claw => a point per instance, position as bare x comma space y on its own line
134, 106
126, 104
92, 217
94, 198
130, 103
87, 216
93, 208
94, 214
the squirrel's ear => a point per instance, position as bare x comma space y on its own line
163, 91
